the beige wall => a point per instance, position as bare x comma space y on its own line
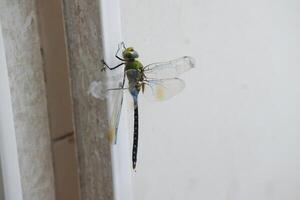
39, 39
84, 45
53, 45
28, 99
8, 146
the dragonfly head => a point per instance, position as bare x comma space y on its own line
130, 54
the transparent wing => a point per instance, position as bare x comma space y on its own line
114, 79
170, 69
117, 97
163, 89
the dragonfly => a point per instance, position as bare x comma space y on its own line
157, 81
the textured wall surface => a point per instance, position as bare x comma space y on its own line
233, 133
51, 26
27, 85
83, 34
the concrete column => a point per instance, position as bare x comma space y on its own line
28, 96
83, 35
51, 26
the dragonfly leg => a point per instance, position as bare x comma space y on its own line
119, 47
119, 58
111, 68
123, 83
116, 55
121, 88
123, 44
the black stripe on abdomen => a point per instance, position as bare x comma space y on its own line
135, 136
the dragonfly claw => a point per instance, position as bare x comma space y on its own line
104, 67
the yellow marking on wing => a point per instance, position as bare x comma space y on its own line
159, 93
111, 135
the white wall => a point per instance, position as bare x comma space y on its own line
8, 147
111, 35
1, 183
234, 132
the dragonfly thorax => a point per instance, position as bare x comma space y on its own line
134, 71
133, 64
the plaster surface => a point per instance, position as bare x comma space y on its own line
28, 96
83, 33
233, 133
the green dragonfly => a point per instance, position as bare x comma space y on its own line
157, 81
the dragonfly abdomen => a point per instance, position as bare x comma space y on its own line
135, 133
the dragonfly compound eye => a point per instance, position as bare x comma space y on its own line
130, 53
